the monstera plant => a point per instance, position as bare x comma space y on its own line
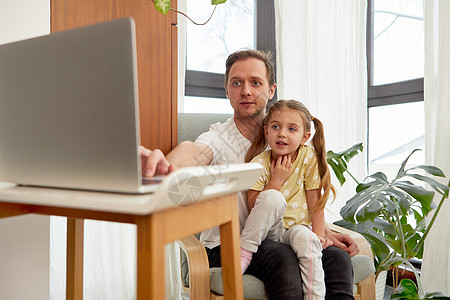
391, 214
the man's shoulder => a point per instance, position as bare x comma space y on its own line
218, 132
225, 126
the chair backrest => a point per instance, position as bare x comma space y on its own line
191, 125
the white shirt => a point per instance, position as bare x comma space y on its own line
229, 147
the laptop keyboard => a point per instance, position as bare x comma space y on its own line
152, 180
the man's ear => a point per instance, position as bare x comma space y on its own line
226, 90
272, 91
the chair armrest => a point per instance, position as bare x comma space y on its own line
199, 279
363, 245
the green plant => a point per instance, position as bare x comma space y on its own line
163, 6
390, 214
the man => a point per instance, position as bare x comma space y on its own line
249, 85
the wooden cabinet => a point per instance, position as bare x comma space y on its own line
157, 58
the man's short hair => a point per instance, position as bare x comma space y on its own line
265, 56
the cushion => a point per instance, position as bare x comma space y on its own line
253, 287
363, 267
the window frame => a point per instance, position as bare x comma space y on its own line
211, 85
392, 93
408, 91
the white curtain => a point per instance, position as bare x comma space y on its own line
436, 260
321, 61
110, 248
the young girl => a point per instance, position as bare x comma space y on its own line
301, 175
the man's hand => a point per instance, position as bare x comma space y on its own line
325, 242
154, 162
343, 241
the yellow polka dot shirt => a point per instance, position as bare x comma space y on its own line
304, 176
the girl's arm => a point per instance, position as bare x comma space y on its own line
280, 171
317, 217
251, 198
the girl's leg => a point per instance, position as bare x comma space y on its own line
308, 248
264, 221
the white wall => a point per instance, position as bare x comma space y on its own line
24, 240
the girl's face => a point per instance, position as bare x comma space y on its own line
285, 132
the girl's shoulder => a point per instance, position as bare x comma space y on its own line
263, 157
307, 150
306, 154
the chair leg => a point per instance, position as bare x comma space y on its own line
366, 288
198, 267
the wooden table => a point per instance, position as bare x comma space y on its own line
159, 221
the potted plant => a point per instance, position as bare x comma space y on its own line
390, 214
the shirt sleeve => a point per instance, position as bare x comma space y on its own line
217, 139
312, 178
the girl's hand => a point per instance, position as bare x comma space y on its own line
325, 242
281, 169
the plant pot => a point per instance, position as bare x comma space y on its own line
380, 285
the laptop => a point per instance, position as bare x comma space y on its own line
69, 110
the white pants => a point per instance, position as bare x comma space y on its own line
265, 221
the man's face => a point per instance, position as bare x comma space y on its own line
248, 88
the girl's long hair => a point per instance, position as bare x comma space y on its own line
259, 144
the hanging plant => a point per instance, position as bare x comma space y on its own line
163, 6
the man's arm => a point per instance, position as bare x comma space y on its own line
183, 155
188, 154
342, 241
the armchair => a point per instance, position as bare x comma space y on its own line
202, 282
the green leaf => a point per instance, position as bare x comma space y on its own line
380, 247
348, 153
401, 171
435, 295
432, 170
437, 186
396, 245
407, 289
338, 161
411, 242
163, 6
363, 186
215, 2
385, 264
369, 212
360, 200
338, 171
424, 196
418, 216
421, 225
385, 226
401, 197
348, 211
419, 253
379, 177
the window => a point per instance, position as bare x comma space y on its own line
395, 51
234, 25
230, 28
